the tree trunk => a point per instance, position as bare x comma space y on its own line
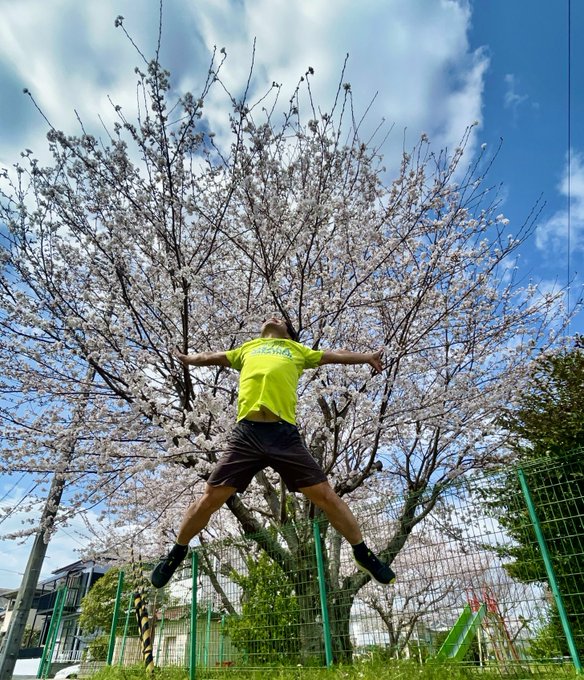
305, 578
340, 603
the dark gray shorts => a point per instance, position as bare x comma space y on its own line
254, 446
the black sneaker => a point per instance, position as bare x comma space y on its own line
369, 563
163, 571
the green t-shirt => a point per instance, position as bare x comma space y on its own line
269, 372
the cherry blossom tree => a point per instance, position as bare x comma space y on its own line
441, 571
164, 232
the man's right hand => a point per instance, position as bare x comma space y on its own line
374, 361
202, 358
177, 354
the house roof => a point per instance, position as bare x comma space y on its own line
9, 593
80, 565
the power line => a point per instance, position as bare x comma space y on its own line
15, 507
569, 217
14, 486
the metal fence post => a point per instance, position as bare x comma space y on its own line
49, 635
328, 647
208, 635
47, 656
160, 636
221, 641
550, 571
193, 645
112, 640
126, 626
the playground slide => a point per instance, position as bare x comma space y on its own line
460, 637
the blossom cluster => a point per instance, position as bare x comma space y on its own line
168, 233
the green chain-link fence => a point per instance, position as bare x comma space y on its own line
492, 577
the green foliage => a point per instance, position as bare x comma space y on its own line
550, 417
31, 637
547, 644
97, 609
96, 649
267, 629
139, 673
359, 671
548, 431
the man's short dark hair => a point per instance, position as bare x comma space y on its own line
292, 331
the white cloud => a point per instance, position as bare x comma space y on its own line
70, 57
553, 234
513, 99
414, 52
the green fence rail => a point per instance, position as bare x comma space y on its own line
473, 586
51, 640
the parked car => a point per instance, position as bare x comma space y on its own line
69, 672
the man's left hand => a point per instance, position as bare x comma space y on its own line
375, 361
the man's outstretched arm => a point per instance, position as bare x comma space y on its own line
202, 358
344, 356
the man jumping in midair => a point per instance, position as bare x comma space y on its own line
266, 435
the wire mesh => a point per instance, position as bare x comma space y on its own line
557, 491
168, 611
471, 586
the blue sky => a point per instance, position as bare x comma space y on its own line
437, 66
526, 103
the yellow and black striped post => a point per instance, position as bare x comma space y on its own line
145, 632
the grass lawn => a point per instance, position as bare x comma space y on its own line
364, 671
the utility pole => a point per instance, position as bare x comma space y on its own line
24, 599
27, 589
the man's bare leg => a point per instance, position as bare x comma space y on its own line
195, 519
343, 520
336, 510
198, 514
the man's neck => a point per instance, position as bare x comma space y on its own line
273, 336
